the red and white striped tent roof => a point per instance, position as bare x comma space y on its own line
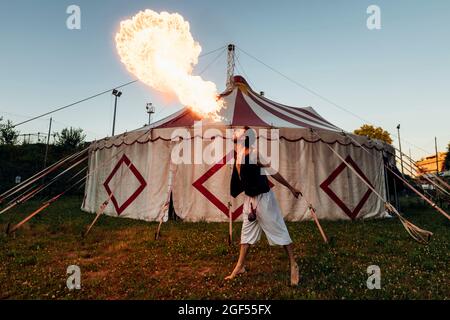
245, 107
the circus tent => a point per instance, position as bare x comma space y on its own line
133, 175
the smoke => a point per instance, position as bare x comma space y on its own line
160, 51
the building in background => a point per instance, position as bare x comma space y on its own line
430, 165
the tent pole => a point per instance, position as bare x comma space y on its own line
386, 182
430, 202
230, 225
312, 210
397, 203
230, 66
420, 235
313, 214
43, 207
99, 212
103, 206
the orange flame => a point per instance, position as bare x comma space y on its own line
161, 52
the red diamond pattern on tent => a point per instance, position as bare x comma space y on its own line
326, 187
198, 184
142, 184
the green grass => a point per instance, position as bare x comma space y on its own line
121, 260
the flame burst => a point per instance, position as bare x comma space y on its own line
160, 51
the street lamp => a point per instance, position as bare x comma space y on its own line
116, 93
400, 147
150, 110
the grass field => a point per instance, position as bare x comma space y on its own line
121, 260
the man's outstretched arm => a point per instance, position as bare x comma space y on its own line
278, 177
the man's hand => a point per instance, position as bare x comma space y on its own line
296, 192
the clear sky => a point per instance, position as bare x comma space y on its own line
399, 74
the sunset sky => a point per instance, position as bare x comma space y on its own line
399, 74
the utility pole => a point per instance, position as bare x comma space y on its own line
116, 93
437, 156
48, 142
400, 147
150, 110
411, 162
230, 66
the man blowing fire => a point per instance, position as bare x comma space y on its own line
261, 210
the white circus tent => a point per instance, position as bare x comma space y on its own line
132, 173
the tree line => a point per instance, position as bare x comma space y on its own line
19, 161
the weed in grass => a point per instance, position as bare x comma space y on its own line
190, 260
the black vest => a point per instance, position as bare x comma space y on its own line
251, 181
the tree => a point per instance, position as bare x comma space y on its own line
70, 137
447, 158
7, 133
374, 133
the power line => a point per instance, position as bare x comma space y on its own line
74, 103
240, 67
94, 96
212, 61
210, 52
304, 87
318, 95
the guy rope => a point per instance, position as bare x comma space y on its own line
45, 205
40, 175
430, 202
418, 234
35, 191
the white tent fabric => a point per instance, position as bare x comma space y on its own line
132, 170
201, 192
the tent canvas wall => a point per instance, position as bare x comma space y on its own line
134, 169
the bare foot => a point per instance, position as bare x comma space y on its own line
235, 273
295, 277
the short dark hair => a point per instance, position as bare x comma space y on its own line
250, 137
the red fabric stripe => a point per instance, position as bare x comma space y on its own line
185, 119
289, 110
244, 115
282, 116
277, 104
